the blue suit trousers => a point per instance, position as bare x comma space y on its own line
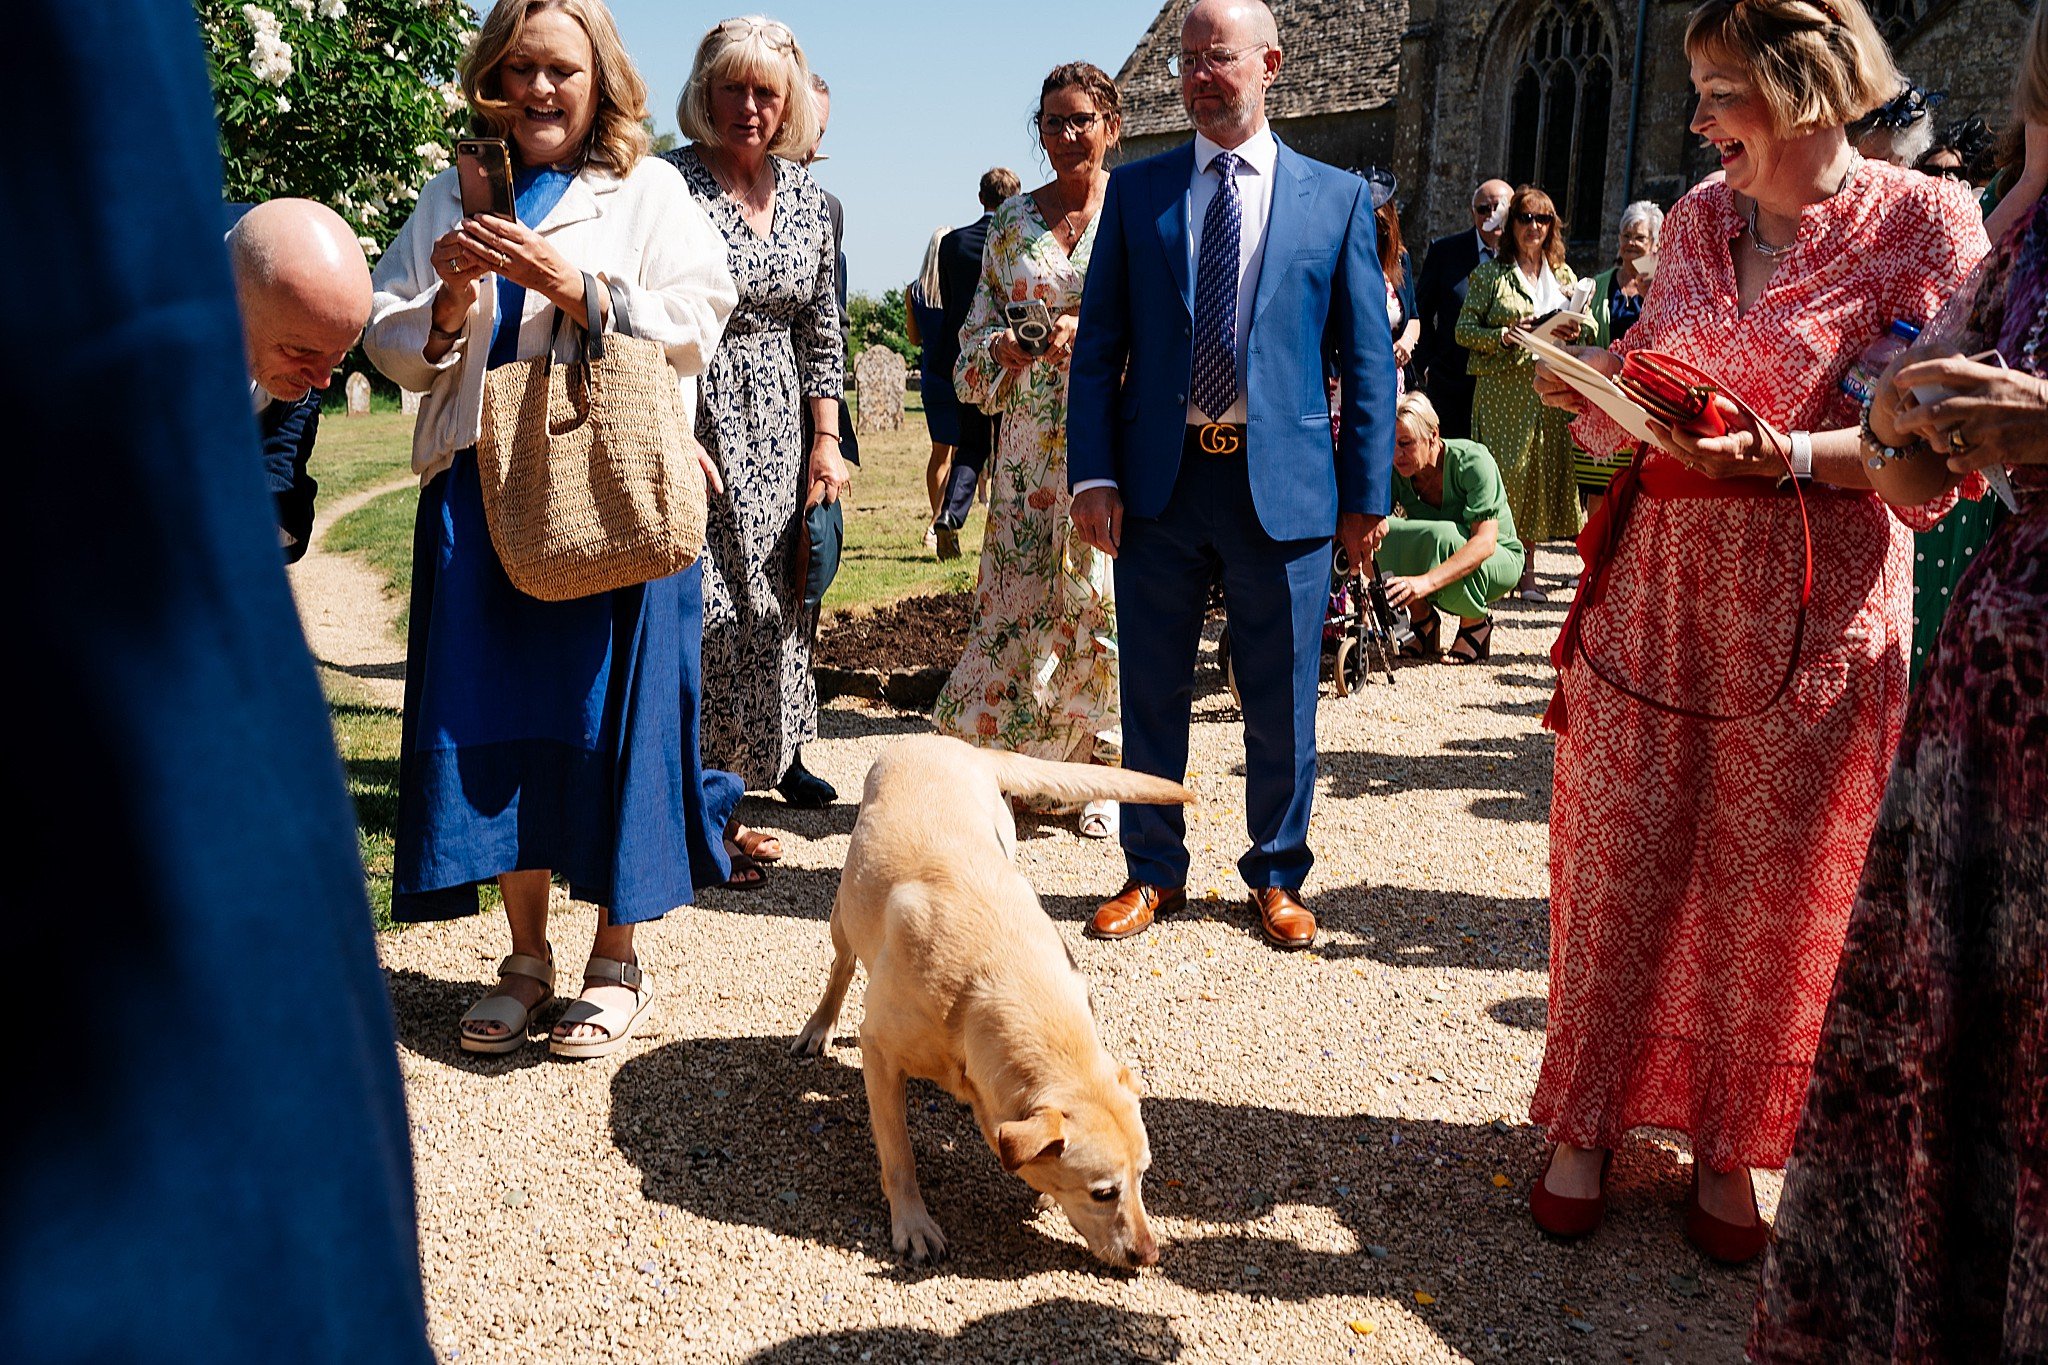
1276, 593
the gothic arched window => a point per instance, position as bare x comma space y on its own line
1558, 112
1899, 20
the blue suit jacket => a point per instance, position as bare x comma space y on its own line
1320, 307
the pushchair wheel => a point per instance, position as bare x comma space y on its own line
1347, 671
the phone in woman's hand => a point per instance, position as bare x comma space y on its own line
483, 169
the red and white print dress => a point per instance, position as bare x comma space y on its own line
1702, 872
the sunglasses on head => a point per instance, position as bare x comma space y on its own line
1543, 218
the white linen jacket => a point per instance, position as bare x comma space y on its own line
644, 232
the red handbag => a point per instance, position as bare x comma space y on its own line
1672, 391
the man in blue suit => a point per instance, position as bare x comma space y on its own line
1228, 279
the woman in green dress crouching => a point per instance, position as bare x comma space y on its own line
1453, 544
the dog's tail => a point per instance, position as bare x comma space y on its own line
1071, 784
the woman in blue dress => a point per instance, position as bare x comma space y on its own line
547, 739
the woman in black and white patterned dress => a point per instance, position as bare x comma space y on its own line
747, 105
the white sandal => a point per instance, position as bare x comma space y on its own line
1099, 820
617, 1023
505, 1010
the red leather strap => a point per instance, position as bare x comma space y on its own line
1600, 544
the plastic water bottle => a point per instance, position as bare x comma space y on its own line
1861, 381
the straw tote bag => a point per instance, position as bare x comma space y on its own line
589, 468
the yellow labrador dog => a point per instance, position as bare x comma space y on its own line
969, 986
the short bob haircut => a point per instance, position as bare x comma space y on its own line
1416, 410
752, 48
617, 141
1530, 199
1643, 211
2030, 90
1815, 63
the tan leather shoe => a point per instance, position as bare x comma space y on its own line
1130, 912
1284, 921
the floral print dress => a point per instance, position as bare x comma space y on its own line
781, 346
1039, 675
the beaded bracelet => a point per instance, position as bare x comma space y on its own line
1882, 454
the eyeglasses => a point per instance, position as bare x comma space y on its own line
1075, 125
1543, 218
776, 35
1948, 172
1214, 59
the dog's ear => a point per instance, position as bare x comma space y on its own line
1040, 1133
1129, 1082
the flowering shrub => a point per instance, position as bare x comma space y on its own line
350, 102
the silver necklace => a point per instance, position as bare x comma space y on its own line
1756, 239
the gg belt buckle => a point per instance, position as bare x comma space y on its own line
1218, 438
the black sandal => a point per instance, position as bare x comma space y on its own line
1477, 636
1429, 640
804, 789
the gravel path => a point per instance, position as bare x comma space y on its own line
1340, 1138
342, 606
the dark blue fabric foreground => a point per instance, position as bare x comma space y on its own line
558, 735
206, 1160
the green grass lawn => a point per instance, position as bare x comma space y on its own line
885, 560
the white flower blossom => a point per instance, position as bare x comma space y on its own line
333, 9
451, 97
433, 154
368, 244
271, 58
284, 106
261, 21
304, 7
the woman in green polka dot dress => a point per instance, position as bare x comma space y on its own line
1531, 442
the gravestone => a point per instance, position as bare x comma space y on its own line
408, 402
879, 376
358, 395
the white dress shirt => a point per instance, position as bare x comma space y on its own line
1259, 156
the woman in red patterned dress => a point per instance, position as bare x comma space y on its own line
1714, 800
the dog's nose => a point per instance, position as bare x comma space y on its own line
1145, 1250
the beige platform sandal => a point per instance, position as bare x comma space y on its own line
616, 1021
504, 1010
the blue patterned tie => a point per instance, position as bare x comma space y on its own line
1216, 294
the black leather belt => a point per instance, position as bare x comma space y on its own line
1214, 438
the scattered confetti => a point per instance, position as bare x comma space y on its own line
1500, 1182
1424, 1297
1365, 1327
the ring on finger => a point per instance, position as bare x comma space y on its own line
1956, 444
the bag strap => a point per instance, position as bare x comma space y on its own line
1592, 591
593, 330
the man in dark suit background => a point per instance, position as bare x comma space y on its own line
1440, 293
959, 277
303, 288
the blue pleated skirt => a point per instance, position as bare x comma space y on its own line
558, 735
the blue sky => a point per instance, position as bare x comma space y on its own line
925, 97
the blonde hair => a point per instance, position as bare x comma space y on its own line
746, 47
1816, 63
928, 275
616, 141
1415, 407
2030, 89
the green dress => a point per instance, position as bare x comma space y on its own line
1939, 558
1424, 536
1531, 440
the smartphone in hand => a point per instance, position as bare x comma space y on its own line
483, 168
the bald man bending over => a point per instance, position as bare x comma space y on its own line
304, 290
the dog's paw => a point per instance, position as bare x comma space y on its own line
918, 1237
812, 1042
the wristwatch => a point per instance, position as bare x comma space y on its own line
1802, 454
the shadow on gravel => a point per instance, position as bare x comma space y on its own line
1531, 1012
737, 1131
1429, 927
791, 892
1513, 772
1057, 1329
777, 816
865, 722
427, 1010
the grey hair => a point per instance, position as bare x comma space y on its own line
1643, 211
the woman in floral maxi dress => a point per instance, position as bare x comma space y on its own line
1039, 674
